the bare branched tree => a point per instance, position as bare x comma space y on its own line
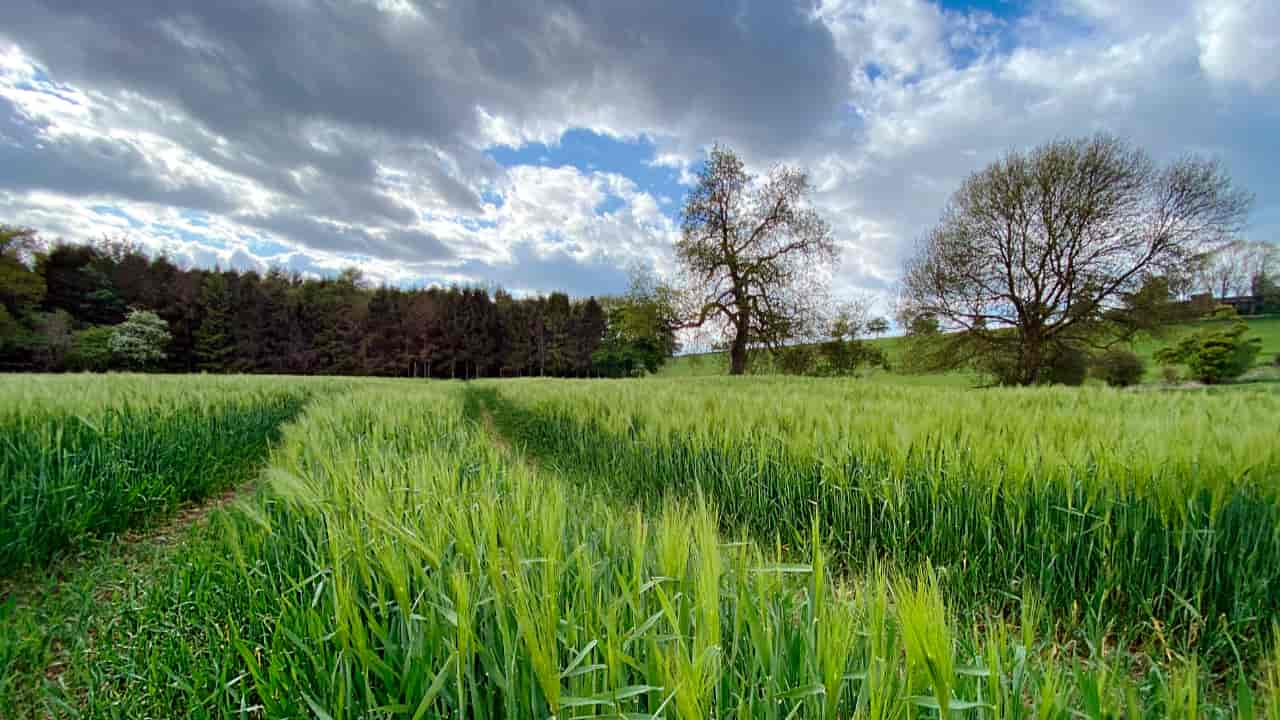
1232, 269
753, 256
1039, 251
851, 318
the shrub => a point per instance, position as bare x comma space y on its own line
1224, 312
1119, 368
833, 358
1214, 354
797, 360
846, 357
1170, 373
91, 349
1069, 366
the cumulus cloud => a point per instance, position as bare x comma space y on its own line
1239, 41
317, 133
1071, 68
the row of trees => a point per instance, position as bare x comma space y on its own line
108, 305
1242, 268
1043, 261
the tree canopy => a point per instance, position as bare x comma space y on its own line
1036, 255
639, 329
752, 255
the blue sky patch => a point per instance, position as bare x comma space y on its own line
612, 203
114, 211
198, 219
593, 152
997, 32
265, 248
187, 236
474, 224
1005, 9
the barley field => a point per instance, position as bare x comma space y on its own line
82, 457
691, 548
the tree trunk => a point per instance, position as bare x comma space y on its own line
1032, 357
738, 354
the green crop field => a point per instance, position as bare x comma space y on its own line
82, 458
758, 547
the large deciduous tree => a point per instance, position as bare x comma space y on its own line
753, 254
1036, 256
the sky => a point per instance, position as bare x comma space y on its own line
548, 144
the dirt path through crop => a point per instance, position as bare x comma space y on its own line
123, 547
484, 414
187, 515
129, 553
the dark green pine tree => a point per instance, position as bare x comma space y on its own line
214, 343
558, 318
589, 327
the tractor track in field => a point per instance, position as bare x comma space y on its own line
187, 515
134, 550
483, 415
124, 546
504, 445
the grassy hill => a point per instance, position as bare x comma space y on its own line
1266, 327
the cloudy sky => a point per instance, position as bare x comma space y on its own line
547, 144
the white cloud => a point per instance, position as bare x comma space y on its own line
1240, 42
562, 210
1069, 69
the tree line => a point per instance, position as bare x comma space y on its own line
1040, 262
108, 305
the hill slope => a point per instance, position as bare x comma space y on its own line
1266, 327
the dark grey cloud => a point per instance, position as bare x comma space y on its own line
32, 160
399, 244
766, 75
313, 100
756, 71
